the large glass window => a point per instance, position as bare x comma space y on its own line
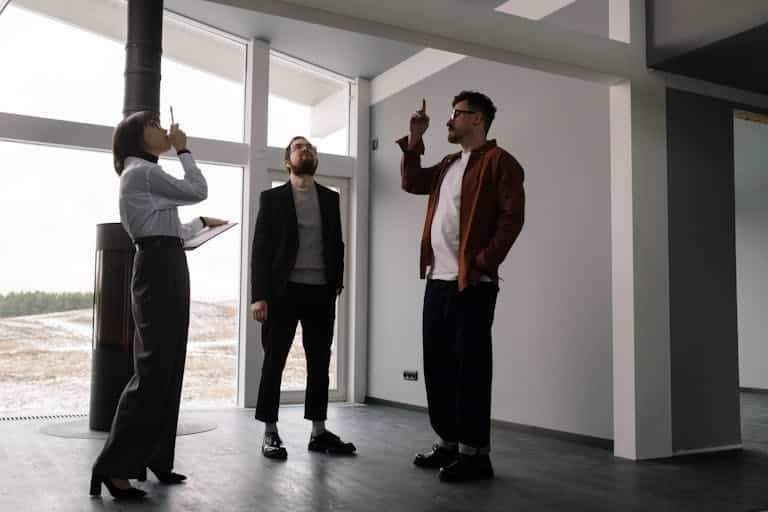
57, 70
65, 60
52, 199
214, 271
199, 66
306, 101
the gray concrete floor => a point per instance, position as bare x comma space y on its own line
534, 473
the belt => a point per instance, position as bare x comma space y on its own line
156, 242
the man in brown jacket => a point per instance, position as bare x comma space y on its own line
474, 214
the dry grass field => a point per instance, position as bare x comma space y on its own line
45, 361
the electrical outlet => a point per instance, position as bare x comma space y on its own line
410, 375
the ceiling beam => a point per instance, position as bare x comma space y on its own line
458, 27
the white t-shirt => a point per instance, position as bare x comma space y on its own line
445, 223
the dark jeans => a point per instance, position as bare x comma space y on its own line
315, 307
458, 362
143, 429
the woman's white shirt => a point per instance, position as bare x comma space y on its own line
149, 198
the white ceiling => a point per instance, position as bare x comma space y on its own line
473, 28
350, 54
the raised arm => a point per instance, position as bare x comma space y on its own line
170, 191
415, 178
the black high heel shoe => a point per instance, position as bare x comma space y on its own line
117, 493
165, 477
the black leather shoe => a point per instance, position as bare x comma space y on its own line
273, 447
438, 457
165, 477
330, 443
467, 468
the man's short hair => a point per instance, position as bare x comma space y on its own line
479, 102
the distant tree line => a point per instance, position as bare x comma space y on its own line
35, 303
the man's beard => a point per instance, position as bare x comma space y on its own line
454, 137
305, 168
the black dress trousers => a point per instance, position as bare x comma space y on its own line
143, 432
315, 307
458, 360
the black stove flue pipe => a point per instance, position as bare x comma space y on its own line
143, 52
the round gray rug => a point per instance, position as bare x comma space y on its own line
78, 429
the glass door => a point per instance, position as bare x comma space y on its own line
295, 373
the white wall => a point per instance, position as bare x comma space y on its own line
751, 154
552, 335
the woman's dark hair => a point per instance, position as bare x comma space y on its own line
478, 102
128, 139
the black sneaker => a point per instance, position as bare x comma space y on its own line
438, 457
467, 468
273, 447
330, 443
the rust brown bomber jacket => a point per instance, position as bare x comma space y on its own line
492, 205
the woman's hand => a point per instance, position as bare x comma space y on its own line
212, 222
177, 137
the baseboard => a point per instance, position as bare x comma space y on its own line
598, 442
390, 403
713, 449
754, 390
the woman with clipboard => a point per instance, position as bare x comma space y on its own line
143, 432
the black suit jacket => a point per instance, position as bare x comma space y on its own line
276, 241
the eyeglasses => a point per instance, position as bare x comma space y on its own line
302, 145
457, 112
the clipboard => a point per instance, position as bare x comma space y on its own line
206, 234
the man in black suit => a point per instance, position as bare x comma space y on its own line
297, 270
